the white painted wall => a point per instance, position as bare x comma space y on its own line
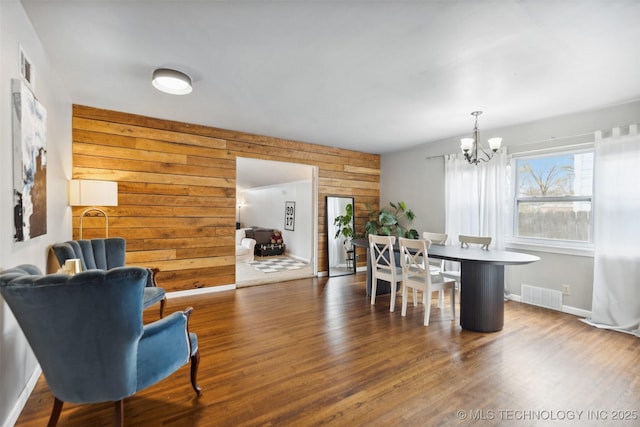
264, 207
17, 363
411, 176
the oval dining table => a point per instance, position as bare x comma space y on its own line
481, 278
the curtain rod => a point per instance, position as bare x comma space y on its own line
553, 149
555, 138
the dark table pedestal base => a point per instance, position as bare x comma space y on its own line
482, 297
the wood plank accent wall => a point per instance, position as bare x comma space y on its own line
177, 189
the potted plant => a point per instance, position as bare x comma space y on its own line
387, 221
345, 225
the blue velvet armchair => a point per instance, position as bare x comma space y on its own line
105, 254
87, 333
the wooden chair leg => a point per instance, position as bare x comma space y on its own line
162, 303
195, 361
453, 303
374, 288
55, 412
119, 406
392, 305
427, 309
405, 297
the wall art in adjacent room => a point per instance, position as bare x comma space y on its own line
289, 215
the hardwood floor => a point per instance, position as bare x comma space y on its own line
314, 351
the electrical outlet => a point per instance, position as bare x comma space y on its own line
566, 289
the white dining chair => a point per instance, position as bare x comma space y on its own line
383, 266
436, 266
466, 242
416, 275
483, 241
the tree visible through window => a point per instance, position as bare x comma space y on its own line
553, 197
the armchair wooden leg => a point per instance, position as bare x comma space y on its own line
119, 406
195, 361
162, 303
55, 412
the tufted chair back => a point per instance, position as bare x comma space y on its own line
87, 333
102, 254
106, 254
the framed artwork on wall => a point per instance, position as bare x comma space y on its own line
29, 163
289, 215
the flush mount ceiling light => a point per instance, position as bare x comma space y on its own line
171, 81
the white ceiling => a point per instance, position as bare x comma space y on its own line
371, 76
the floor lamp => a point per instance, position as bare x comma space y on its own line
86, 192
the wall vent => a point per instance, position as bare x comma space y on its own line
541, 297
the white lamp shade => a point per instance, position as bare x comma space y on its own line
466, 144
494, 143
85, 192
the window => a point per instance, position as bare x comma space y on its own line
552, 203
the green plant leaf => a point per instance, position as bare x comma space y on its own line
412, 234
387, 218
410, 215
386, 221
371, 228
344, 222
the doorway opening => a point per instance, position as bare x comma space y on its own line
276, 196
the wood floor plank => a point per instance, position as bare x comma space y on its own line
315, 352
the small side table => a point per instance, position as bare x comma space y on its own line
351, 257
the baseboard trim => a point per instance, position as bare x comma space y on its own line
200, 291
325, 273
579, 312
576, 311
22, 399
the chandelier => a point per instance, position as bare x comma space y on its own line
470, 146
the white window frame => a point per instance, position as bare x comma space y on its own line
569, 247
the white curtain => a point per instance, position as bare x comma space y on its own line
475, 198
616, 275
